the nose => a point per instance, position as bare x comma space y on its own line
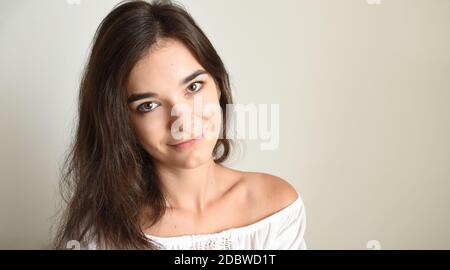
181, 120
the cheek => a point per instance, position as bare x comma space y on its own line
211, 117
151, 133
215, 124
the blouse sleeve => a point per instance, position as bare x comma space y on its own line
290, 234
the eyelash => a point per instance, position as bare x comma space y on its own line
139, 108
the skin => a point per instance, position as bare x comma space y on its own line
202, 196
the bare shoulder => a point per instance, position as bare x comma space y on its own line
267, 193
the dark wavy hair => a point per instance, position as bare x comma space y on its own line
108, 181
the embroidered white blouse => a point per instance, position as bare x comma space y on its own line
284, 229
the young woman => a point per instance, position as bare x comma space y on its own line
144, 170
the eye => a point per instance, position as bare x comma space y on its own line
147, 106
195, 87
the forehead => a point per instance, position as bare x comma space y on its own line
162, 67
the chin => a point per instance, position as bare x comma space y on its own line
192, 160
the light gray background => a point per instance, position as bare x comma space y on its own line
363, 92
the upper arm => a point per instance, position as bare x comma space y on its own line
282, 191
277, 190
290, 233
270, 193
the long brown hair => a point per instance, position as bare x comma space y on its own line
108, 180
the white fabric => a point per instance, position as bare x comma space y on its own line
284, 229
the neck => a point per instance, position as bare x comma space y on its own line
189, 189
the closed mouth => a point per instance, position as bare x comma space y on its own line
186, 141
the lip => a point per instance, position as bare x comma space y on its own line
187, 143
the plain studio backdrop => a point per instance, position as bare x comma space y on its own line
363, 88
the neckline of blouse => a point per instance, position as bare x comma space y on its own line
251, 227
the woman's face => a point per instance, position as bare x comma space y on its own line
178, 107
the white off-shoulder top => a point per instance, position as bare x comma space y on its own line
284, 229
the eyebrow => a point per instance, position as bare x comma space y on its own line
134, 97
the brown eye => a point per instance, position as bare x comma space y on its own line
195, 87
147, 106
